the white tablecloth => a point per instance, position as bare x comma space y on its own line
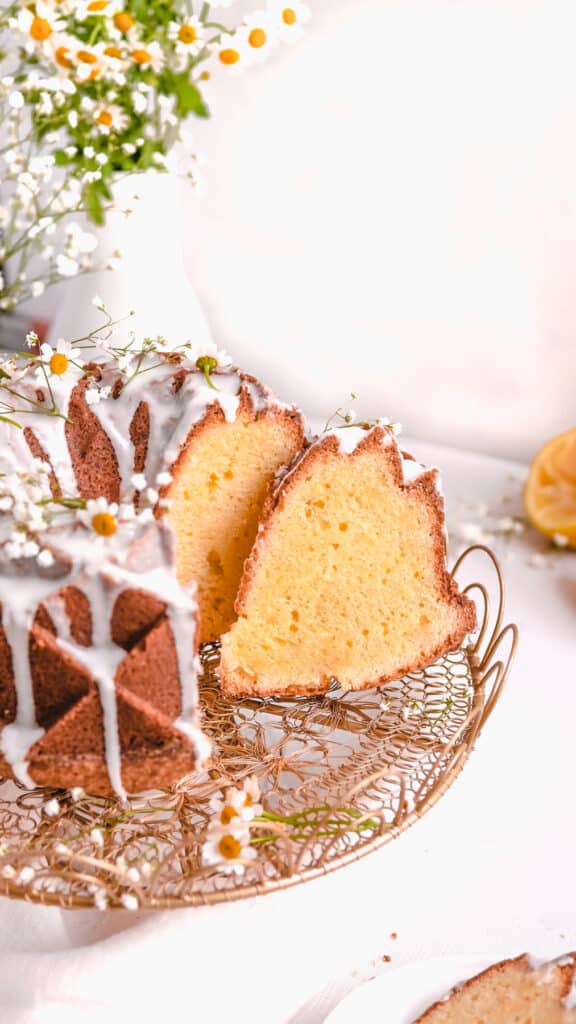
488, 871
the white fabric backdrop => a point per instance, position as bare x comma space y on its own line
391, 209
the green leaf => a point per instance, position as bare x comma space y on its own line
188, 97
60, 158
93, 203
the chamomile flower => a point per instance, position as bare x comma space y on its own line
260, 34
233, 53
87, 61
289, 16
101, 516
237, 805
150, 55
40, 21
188, 36
61, 49
228, 848
56, 361
95, 8
109, 117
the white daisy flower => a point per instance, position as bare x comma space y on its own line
95, 8
101, 516
228, 848
237, 805
40, 21
109, 117
233, 52
150, 55
61, 49
56, 361
288, 17
188, 35
88, 63
261, 35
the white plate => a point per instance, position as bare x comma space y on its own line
399, 996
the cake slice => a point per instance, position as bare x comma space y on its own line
347, 579
209, 451
512, 992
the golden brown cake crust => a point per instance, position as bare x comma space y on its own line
238, 683
564, 968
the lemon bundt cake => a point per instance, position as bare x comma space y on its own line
512, 992
347, 579
121, 480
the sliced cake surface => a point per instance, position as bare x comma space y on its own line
512, 992
347, 579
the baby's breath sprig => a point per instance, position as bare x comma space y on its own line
91, 92
346, 417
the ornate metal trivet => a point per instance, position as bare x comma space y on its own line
353, 770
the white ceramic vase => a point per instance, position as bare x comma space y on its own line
150, 279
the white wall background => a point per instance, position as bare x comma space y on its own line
391, 208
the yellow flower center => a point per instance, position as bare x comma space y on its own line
104, 118
142, 56
58, 363
123, 21
86, 57
227, 814
257, 38
98, 5
289, 16
104, 523
229, 56
40, 29
113, 51
204, 76
187, 34
229, 848
248, 801
61, 57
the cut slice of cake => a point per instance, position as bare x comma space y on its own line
512, 992
347, 579
208, 451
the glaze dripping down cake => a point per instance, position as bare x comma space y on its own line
512, 992
347, 579
130, 494
98, 662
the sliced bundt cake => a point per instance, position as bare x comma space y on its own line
347, 578
200, 448
512, 992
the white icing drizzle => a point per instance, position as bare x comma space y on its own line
101, 576
56, 608
102, 660
20, 600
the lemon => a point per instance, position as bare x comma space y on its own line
550, 495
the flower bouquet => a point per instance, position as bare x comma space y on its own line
93, 91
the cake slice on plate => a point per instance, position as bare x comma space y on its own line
512, 992
347, 579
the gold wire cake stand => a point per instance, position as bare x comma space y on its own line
346, 773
